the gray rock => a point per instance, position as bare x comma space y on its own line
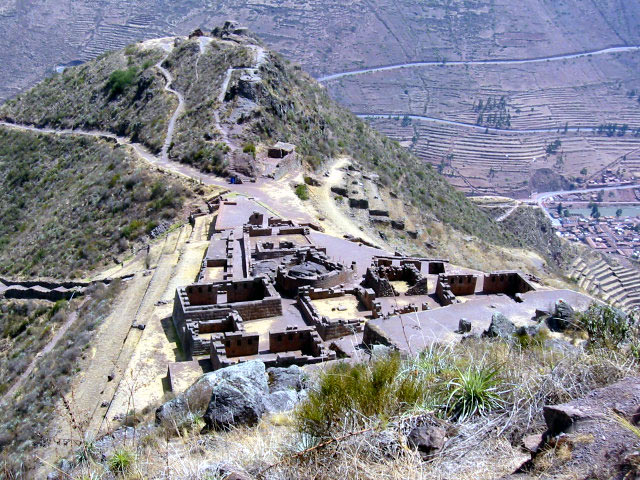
290, 378
196, 399
281, 401
380, 351
532, 442
238, 397
560, 418
500, 327
530, 330
562, 318
427, 439
464, 326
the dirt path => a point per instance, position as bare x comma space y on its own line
143, 384
168, 139
520, 61
93, 388
508, 213
422, 118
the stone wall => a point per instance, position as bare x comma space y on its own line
461, 284
383, 272
202, 294
328, 328
374, 335
509, 282
337, 273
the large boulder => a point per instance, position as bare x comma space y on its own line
281, 401
290, 378
500, 327
196, 399
238, 396
563, 317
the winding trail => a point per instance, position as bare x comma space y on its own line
260, 58
508, 213
522, 61
168, 139
423, 118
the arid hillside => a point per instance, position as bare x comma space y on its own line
225, 98
331, 38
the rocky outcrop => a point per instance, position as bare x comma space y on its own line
500, 327
593, 429
236, 395
562, 318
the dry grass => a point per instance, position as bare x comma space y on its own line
480, 447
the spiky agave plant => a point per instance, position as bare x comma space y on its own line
474, 391
121, 461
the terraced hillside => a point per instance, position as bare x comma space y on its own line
325, 36
482, 162
523, 65
233, 94
615, 284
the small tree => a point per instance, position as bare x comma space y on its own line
619, 212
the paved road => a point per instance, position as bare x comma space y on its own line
539, 198
522, 61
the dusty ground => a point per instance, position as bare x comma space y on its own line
143, 382
339, 307
118, 349
336, 222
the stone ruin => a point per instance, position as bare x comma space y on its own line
380, 275
281, 150
271, 289
312, 268
451, 286
199, 308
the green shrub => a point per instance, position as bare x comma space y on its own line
302, 192
606, 326
536, 341
121, 461
120, 80
132, 230
250, 148
473, 391
350, 394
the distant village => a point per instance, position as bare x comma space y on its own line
607, 220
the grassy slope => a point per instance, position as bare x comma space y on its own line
24, 419
534, 229
69, 203
288, 106
82, 97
